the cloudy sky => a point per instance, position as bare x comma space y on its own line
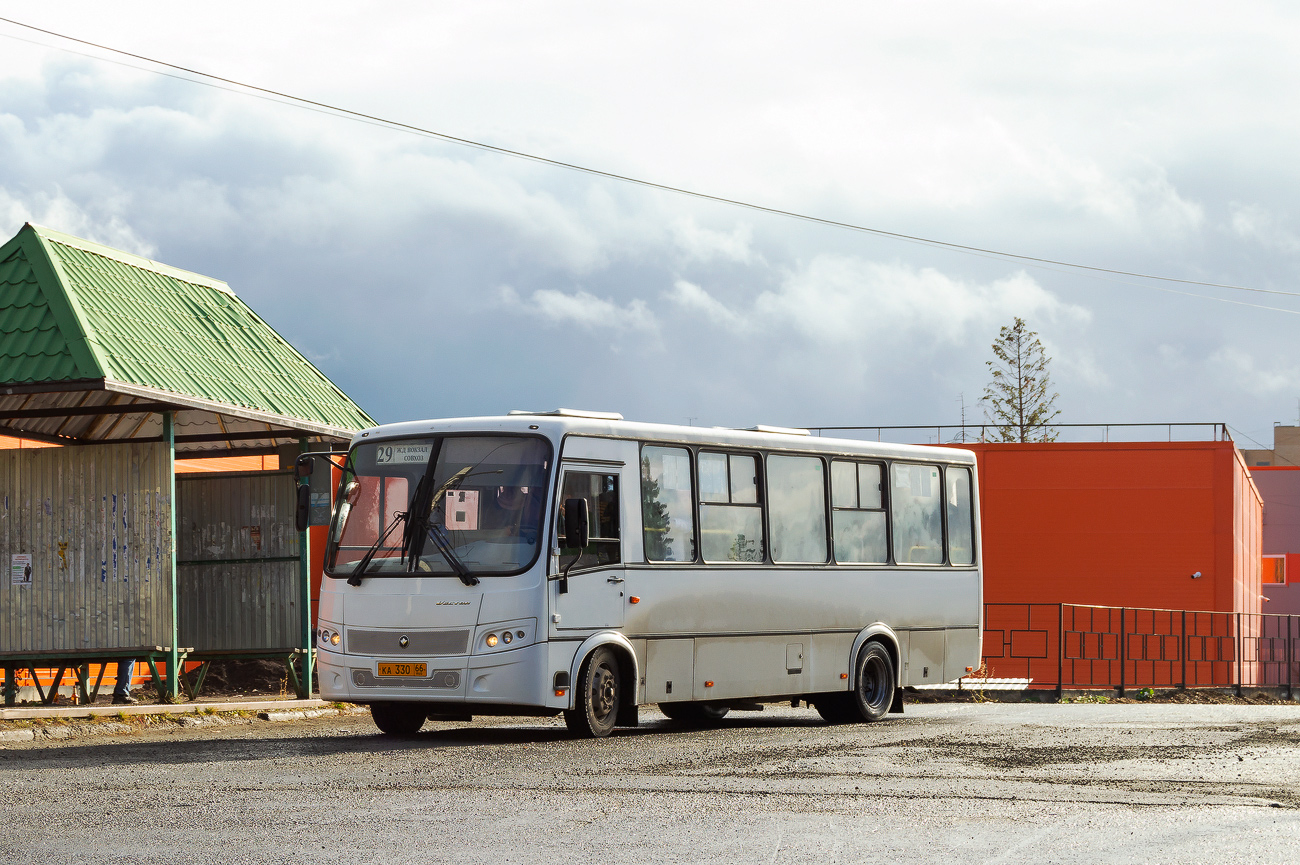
431, 279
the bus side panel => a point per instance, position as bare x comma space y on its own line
732, 667
963, 652
830, 661
669, 670
925, 657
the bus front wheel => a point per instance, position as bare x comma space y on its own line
598, 696
399, 719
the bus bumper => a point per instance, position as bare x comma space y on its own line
519, 677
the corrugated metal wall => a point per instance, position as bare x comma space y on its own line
238, 561
95, 521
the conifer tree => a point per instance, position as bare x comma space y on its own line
1018, 401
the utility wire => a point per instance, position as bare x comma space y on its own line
880, 232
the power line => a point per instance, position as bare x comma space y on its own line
519, 154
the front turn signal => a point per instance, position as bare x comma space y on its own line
634, 600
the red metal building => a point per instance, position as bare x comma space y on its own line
1170, 525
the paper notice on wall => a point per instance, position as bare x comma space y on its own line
20, 569
462, 510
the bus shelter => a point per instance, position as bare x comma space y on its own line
125, 365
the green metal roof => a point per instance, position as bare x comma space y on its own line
74, 310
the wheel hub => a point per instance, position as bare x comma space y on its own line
602, 691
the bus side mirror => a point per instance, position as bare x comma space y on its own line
303, 467
575, 524
304, 507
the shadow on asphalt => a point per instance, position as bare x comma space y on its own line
253, 743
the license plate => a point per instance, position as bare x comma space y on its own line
419, 670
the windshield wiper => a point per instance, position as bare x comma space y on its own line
360, 570
439, 538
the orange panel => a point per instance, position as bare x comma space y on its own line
1120, 524
227, 464
10, 443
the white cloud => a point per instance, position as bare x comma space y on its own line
705, 244
582, 309
695, 300
1270, 377
1256, 223
55, 210
843, 299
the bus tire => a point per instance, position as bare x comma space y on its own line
399, 719
598, 696
693, 712
874, 691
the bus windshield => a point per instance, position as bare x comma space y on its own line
484, 498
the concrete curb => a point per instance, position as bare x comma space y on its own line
88, 724
33, 713
298, 715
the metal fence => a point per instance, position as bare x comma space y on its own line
85, 546
238, 581
1063, 432
1074, 646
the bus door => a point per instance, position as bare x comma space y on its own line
592, 596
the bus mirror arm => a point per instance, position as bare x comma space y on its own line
575, 536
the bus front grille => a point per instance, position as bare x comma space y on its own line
366, 642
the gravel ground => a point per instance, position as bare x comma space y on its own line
945, 782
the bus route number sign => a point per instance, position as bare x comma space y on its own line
402, 454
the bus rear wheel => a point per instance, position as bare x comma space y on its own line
598, 696
399, 719
873, 692
694, 713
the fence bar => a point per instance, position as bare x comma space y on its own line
1241, 644
1060, 651
1184, 650
1122, 653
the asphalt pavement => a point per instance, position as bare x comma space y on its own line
965, 783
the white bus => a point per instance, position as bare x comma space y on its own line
572, 562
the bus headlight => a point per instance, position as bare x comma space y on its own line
335, 639
504, 636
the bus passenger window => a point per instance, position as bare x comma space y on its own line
796, 500
858, 515
731, 518
667, 510
961, 533
915, 498
601, 492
